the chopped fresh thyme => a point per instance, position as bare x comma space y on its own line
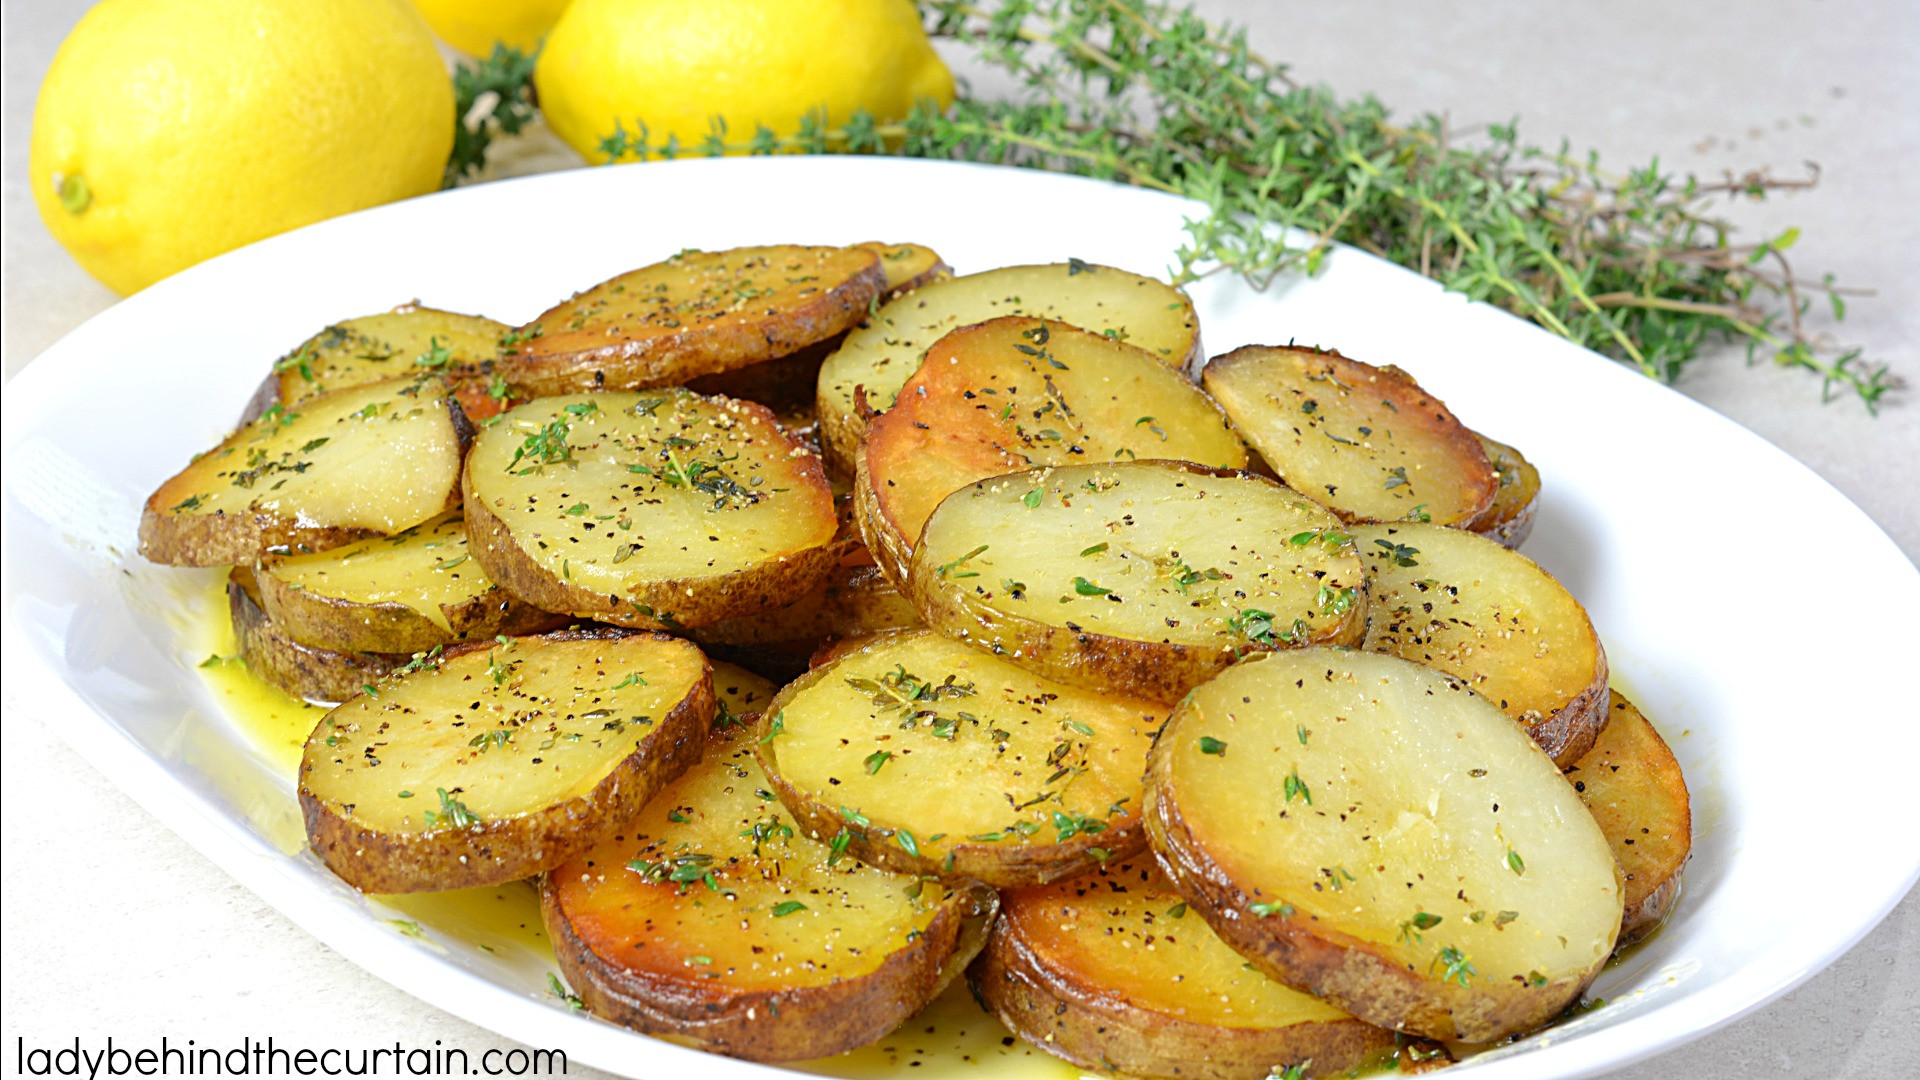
908, 694
1399, 554
453, 814
548, 446
1295, 788
1454, 965
559, 990
951, 569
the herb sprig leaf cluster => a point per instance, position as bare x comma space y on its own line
1635, 265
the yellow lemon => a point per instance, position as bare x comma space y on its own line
674, 66
166, 133
472, 26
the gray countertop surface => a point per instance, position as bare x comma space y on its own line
115, 927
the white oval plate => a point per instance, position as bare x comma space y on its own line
1761, 619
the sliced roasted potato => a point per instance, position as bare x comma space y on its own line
1489, 615
324, 675
497, 760
1367, 830
886, 350
369, 460
1633, 786
711, 918
1142, 578
1017, 393
1365, 441
1509, 518
655, 510
921, 755
697, 313
908, 266
787, 384
408, 340
403, 593
1110, 972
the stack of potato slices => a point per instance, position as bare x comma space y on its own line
1202, 716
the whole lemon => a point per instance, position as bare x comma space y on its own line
166, 133
674, 66
472, 26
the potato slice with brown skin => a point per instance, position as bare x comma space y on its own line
1142, 578
1014, 394
908, 266
696, 313
921, 755
401, 594
365, 461
1633, 786
1492, 617
787, 384
1109, 971
657, 510
1367, 830
497, 760
1509, 518
880, 355
323, 675
711, 918
410, 339
1364, 441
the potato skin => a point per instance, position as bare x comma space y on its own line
565, 361
508, 849
1570, 733
329, 622
891, 552
1160, 671
1509, 518
229, 539
1096, 1028
305, 671
1349, 972
1002, 866
786, 1025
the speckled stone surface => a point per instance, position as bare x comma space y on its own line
113, 926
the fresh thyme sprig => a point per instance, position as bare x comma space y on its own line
1632, 264
492, 96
